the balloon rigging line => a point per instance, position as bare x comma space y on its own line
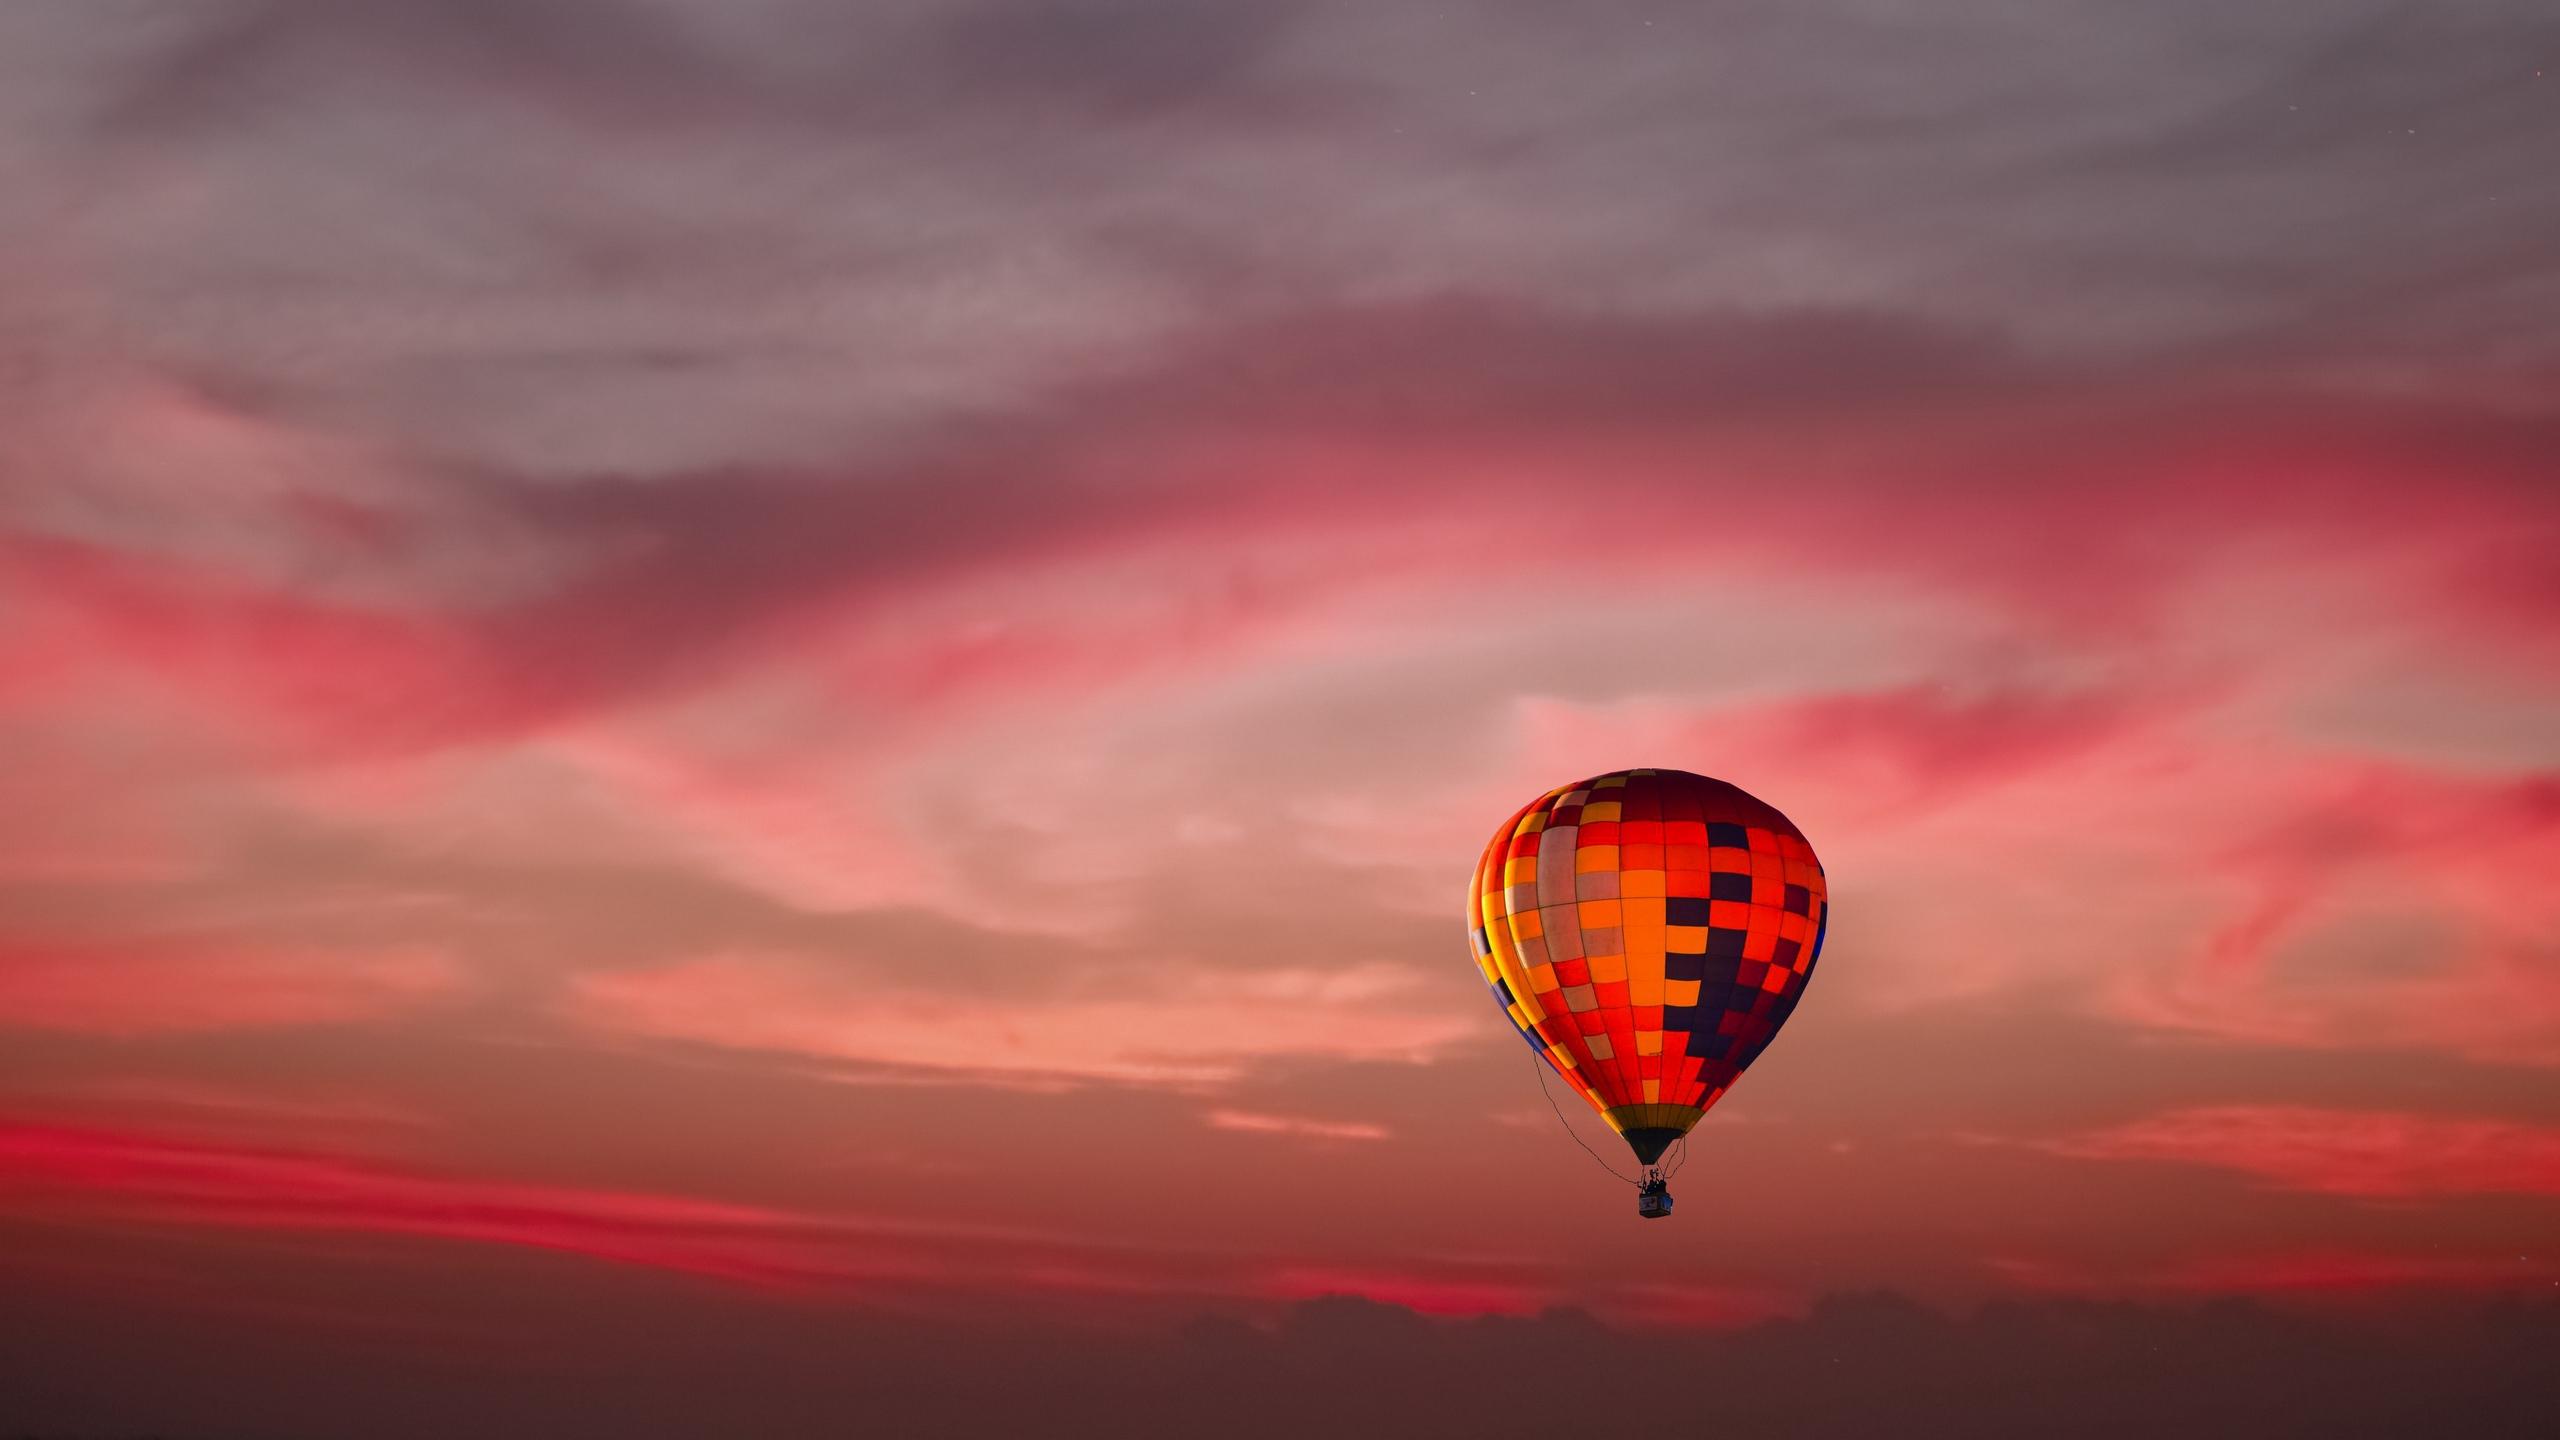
1540, 1065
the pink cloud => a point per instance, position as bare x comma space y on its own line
2032, 703
2156, 854
812, 833
106, 811
619, 594
2482, 839
697, 590
1256, 1123
2340, 844
280, 670
1890, 753
342, 1118
163, 988
1181, 1029
260, 1189
88, 1175
2388, 1154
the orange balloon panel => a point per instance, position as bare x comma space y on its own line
1648, 931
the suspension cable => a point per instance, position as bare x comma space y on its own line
1538, 1063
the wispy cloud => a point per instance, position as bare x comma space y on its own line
112, 990
207, 1184
2384, 1154
1178, 1029
1255, 1123
91, 1174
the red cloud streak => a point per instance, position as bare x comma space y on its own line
2390, 1154
184, 1182
1427, 1294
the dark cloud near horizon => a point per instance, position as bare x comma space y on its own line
657, 1360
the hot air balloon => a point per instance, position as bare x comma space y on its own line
1648, 931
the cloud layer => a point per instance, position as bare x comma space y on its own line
761, 643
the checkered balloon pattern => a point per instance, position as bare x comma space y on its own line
1648, 931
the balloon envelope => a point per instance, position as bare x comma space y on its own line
1648, 931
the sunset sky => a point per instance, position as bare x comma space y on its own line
787, 662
